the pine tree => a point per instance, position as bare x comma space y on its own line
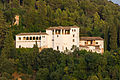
9, 46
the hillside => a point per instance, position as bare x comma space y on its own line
94, 17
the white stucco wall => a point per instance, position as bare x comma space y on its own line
63, 41
30, 43
91, 47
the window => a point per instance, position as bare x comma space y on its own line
74, 30
57, 47
33, 38
73, 35
52, 31
73, 40
66, 48
19, 38
36, 38
43, 36
40, 38
27, 38
96, 42
19, 46
30, 38
24, 38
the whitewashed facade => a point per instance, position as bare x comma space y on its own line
93, 44
59, 38
27, 40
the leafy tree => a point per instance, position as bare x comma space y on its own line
6, 68
42, 74
93, 78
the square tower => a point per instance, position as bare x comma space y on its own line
63, 38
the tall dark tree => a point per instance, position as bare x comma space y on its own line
113, 34
3, 29
106, 36
9, 45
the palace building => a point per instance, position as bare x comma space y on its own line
93, 44
60, 38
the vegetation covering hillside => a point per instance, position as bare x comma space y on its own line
29, 64
94, 17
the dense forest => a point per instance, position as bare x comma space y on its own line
94, 17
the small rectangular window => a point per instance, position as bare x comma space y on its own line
73, 40
43, 36
57, 47
19, 46
73, 35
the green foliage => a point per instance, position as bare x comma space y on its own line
9, 46
93, 78
53, 65
94, 17
6, 68
3, 29
42, 74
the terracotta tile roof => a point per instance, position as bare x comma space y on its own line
38, 33
62, 27
91, 38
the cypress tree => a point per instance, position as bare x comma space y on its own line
35, 48
106, 37
9, 46
3, 29
113, 35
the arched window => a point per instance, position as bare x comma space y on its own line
24, 38
30, 38
33, 38
40, 38
19, 38
27, 38
36, 38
